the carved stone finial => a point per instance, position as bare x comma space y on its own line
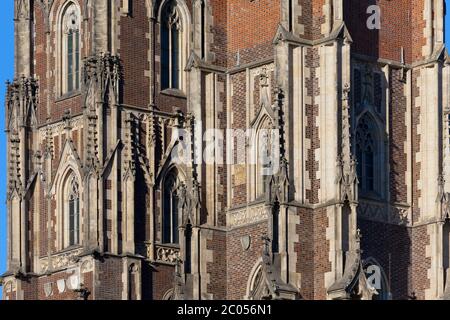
178, 264
346, 92
264, 78
266, 242
179, 119
22, 10
358, 235
67, 118
447, 112
441, 180
441, 188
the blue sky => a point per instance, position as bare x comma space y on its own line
6, 72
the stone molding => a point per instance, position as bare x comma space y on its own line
60, 261
245, 216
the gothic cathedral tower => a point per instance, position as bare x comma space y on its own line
139, 133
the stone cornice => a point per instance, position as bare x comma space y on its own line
439, 56
251, 65
340, 32
195, 62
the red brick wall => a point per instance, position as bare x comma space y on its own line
420, 263
218, 268
239, 123
33, 288
40, 58
251, 37
134, 48
312, 251
401, 26
162, 280
397, 138
168, 103
59, 108
240, 262
401, 252
389, 245
109, 283
219, 11
417, 26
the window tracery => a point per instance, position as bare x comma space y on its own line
70, 51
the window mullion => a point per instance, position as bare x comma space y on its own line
179, 58
69, 55
73, 60
363, 170
76, 59
171, 216
170, 56
65, 63
77, 222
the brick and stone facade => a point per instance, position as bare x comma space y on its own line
358, 207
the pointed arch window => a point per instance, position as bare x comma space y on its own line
73, 212
70, 53
174, 44
366, 148
170, 210
171, 37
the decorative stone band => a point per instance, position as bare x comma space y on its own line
58, 127
245, 216
384, 212
164, 253
61, 260
167, 254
